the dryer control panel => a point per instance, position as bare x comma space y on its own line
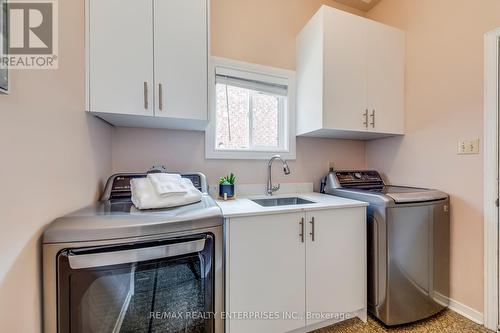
118, 186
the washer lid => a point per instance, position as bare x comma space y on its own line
108, 220
402, 194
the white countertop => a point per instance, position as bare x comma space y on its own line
244, 206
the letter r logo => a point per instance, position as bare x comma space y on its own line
30, 27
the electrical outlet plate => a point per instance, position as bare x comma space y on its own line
331, 165
468, 147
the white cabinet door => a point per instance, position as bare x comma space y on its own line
335, 262
386, 73
345, 83
180, 59
350, 73
120, 62
266, 272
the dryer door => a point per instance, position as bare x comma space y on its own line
161, 286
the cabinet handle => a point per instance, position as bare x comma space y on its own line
365, 123
146, 99
301, 235
373, 119
312, 233
160, 96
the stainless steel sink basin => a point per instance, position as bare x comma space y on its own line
271, 202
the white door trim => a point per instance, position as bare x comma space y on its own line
491, 170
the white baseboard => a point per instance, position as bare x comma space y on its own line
460, 308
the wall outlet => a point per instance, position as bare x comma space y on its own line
331, 166
468, 147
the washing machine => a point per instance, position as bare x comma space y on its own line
408, 245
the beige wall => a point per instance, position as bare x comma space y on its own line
262, 31
444, 101
139, 149
53, 160
258, 31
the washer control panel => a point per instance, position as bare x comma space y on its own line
356, 178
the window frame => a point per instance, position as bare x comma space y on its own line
286, 122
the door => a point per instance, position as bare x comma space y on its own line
385, 78
120, 46
138, 287
345, 95
266, 273
180, 58
335, 263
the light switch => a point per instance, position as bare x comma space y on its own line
468, 147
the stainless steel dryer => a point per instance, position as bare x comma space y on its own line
408, 245
112, 268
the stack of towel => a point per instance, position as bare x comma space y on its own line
163, 190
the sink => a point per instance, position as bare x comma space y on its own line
271, 202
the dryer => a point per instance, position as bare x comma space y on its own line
113, 268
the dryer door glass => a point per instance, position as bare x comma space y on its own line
164, 286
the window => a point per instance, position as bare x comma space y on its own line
252, 116
249, 115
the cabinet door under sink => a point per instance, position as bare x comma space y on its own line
335, 264
266, 272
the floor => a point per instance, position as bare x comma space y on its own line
446, 321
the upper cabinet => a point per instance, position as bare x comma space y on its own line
120, 61
350, 77
147, 62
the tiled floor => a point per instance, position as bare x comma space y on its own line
445, 322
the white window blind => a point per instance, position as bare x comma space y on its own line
275, 89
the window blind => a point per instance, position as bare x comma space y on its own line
247, 80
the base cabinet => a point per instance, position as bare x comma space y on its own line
266, 274
295, 272
335, 264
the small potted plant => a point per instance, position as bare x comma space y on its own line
226, 186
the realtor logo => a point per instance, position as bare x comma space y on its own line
30, 34
30, 28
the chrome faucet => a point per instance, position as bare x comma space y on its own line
270, 187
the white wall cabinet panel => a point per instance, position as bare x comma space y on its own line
345, 81
120, 40
386, 72
147, 62
181, 59
350, 73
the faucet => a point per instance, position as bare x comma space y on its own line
270, 188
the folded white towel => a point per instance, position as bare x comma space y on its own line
144, 196
167, 184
